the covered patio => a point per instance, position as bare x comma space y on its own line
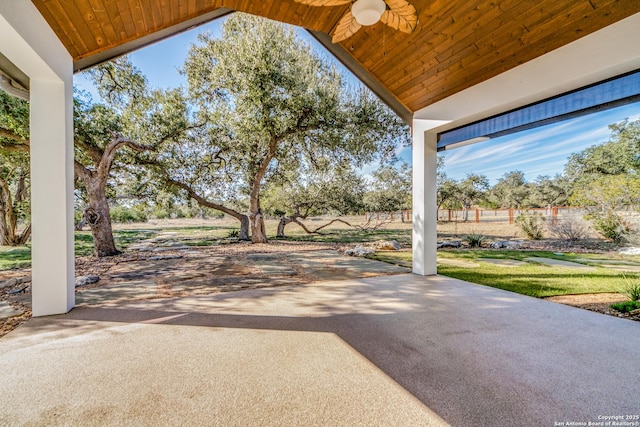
464, 63
395, 350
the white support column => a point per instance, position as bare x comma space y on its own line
424, 198
52, 197
28, 42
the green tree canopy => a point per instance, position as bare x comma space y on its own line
389, 189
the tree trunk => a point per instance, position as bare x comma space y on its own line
8, 215
24, 236
98, 217
258, 232
283, 222
244, 228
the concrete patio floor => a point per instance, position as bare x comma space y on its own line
391, 350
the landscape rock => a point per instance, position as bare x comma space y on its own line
171, 248
8, 283
14, 281
507, 244
6, 311
630, 251
454, 244
386, 245
86, 280
359, 251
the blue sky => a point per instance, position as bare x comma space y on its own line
541, 151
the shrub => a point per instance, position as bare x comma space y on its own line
474, 240
217, 215
611, 226
570, 229
531, 224
160, 214
122, 214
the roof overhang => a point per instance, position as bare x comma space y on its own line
457, 46
605, 54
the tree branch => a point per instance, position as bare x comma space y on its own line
6, 133
81, 171
22, 143
317, 230
329, 223
111, 149
201, 200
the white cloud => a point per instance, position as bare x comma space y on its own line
540, 151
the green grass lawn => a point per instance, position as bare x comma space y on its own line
20, 257
348, 236
532, 279
11, 257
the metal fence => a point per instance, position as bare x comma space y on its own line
479, 215
506, 215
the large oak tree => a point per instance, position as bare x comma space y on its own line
271, 103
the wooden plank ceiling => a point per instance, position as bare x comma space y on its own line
458, 43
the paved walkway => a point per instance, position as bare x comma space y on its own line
392, 350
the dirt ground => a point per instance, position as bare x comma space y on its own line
595, 302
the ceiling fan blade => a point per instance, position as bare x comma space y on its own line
323, 2
401, 15
346, 27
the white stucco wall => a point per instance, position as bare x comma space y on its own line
28, 42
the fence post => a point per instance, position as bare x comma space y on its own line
510, 216
477, 216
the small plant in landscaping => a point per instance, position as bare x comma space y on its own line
632, 291
233, 234
531, 224
631, 288
571, 230
625, 307
474, 240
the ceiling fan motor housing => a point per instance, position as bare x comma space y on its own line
368, 12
